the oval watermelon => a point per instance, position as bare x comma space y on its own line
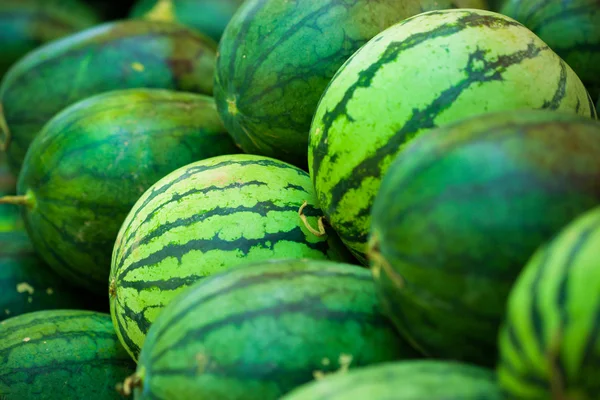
26, 24
550, 341
461, 210
405, 380
571, 28
429, 70
260, 330
276, 58
115, 55
61, 354
91, 163
204, 218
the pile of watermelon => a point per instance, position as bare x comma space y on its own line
300, 200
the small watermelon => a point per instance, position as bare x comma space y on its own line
91, 163
570, 27
202, 219
61, 354
550, 341
405, 380
427, 71
276, 58
257, 331
460, 212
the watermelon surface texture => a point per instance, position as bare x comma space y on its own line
427, 71
257, 331
202, 219
460, 212
550, 341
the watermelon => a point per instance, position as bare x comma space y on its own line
571, 28
460, 212
10, 218
550, 340
427, 71
276, 58
405, 380
61, 354
111, 56
262, 329
204, 218
26, 24
207, 16
93, 160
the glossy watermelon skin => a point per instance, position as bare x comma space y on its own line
92, 162
460, 212
204, 218
427, 71
115, 55
260, 330
405, 380
273, 64
571, 28
550, 340
61, 354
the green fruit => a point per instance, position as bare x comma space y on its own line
61, 354
550, 341
427, 71
570, 27
206, 16
92, 162
260, 330
27, 24
276, 58
10, 219
116, 55
202, 219
462, 209
405, 380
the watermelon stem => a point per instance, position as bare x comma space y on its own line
131, 382
16, 200
319, 233
379, 262
162, 11
4, 130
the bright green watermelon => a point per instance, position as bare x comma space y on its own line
27, 24
111, 56
61, 354
460, 212
550, 341
202, 219
206, 16
276, 58
427, 71
570, 27
257, 331
92, 162
405, 380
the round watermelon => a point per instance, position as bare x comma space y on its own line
550, 340
460, 212
427, 71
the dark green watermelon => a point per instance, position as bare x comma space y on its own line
260, 330
550, 340
276, 57
111, 56
92, 162
461, 210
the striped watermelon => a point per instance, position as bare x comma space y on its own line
405, 380
260, 330
276, 58
550, 341
61, 354
460, 212
91, 163
204, 218
427, 71
111, 56
571, 28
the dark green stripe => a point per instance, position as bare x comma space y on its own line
564, 14
139, 318
561, 89
593, 111
129, 344
535, 312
